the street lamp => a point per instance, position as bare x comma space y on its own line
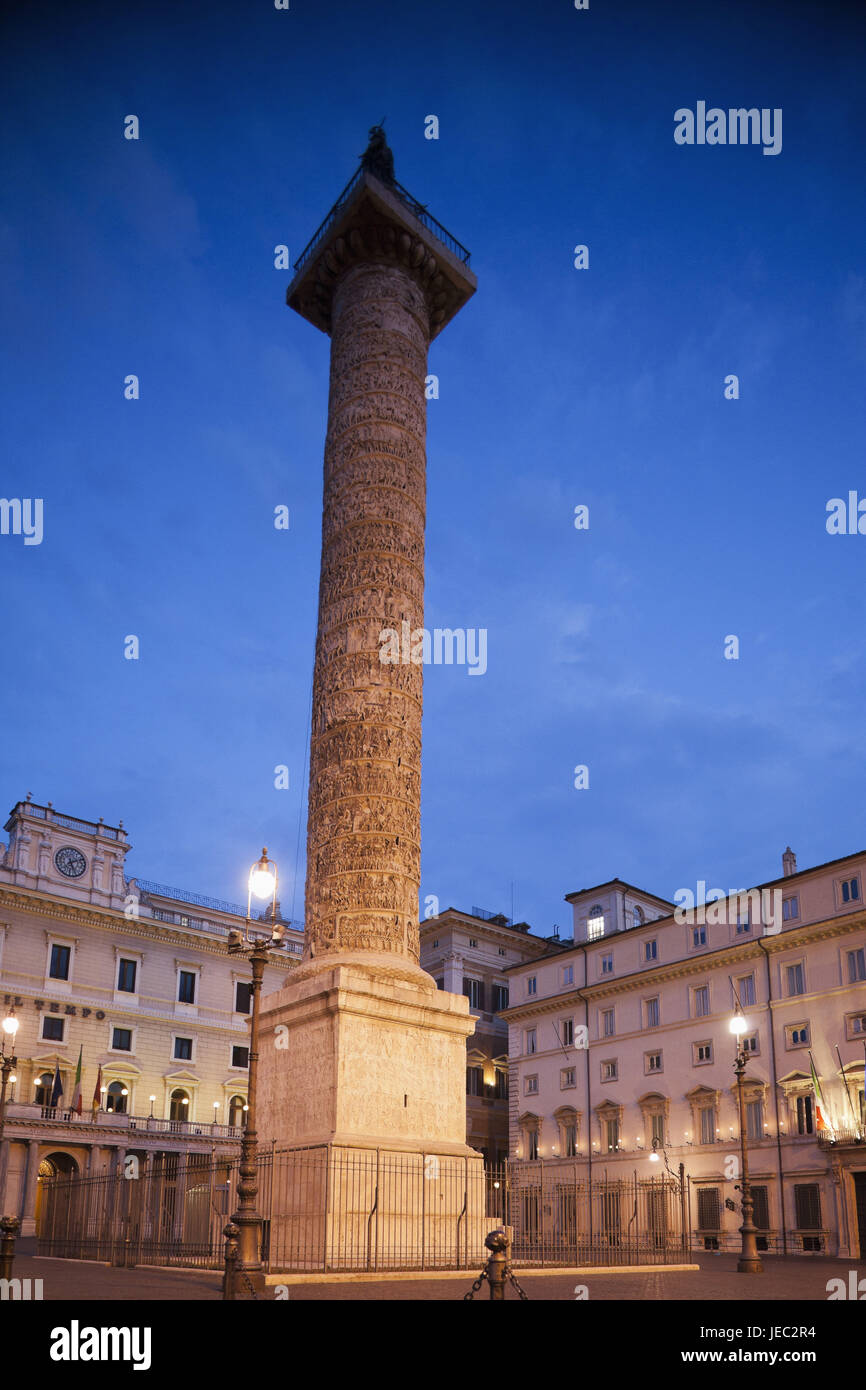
8, 1061
749, 1261
262, 883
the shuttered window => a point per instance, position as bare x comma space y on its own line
807, 1205
708, 1209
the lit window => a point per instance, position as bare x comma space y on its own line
595, 924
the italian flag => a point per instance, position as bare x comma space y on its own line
97, 1094
76, 1093
819, 1099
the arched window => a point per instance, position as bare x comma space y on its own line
44, 1084
637, 916
117, 1097
236, 1110
179, 1106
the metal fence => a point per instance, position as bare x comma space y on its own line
560, 1217
329, 1208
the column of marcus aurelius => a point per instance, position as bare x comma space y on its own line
360, 1048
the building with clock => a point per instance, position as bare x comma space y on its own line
131, 977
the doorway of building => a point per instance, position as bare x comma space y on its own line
860, 1197
53, 1165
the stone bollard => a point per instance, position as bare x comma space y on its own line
231, 1233
8, 1231
497, 1243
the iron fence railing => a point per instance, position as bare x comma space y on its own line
340, 1209
417, 209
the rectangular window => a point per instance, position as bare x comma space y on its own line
755, 1119
746, 989
121, 1039
594, 928
567, 1078
532, 984
568, 974
702, 1001
52, 1029
531, 1088
709, 1209
703, 1052
851, 890
744, 926
183, 1049
60, 958
126, 970
609, 1071
607, 964
532, 1144
474, 991
500, 1085
798, 1035
790, 908
570, 1135
708, 1125
502, 951
240, 1056
608, 1023
473, 941
500, 998
804, 1115
795, 979
650, 950
657, 1130
474, 1081
699, 936
612, 1135
567, 1032
652, 1013
750, 1043
243, 996
857, 965
858, 1023
760, 1208
807, 1206
531, 1040
653, 1061
186, 987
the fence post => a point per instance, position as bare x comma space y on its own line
231, 1233
497, 1243
8, 1231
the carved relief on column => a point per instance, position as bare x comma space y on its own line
363, 842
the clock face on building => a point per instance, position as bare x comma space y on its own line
70, 862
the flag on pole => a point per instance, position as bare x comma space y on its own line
76, 1092
57, 1088
819, 1099
94, 1104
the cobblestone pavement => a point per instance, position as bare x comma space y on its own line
717, 1280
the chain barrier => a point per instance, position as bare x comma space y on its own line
476, 1286
510, 1275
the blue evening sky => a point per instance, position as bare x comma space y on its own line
557, 387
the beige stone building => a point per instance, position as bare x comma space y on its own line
136, 977
624, 1039
468, 953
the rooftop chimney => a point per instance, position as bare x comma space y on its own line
789, 863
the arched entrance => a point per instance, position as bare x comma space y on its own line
53, 1165
179, 1106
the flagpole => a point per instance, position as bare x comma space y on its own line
847, 1092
